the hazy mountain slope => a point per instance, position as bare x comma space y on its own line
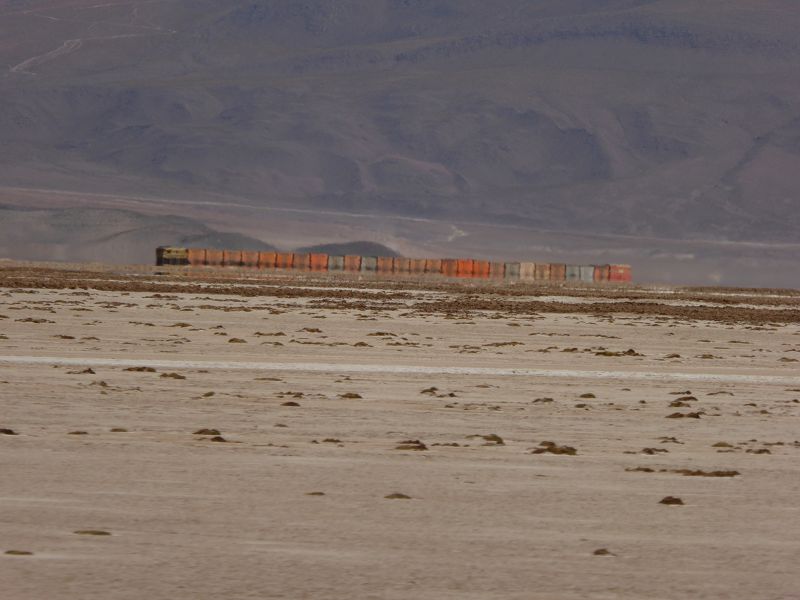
354, 248
671, 118
90, 234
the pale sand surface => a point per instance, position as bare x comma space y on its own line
192, 518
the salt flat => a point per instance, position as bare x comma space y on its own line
327, 405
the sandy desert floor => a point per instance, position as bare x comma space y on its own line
376, 440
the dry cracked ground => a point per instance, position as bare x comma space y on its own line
181, 436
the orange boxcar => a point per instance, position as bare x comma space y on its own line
558, 272
433, 265
417, 265
266, 260
385, 264
497, 270
542, 271
602, 272
620, 273
214, 257
318, 262
283, 260
352, 263
402, 265
465, 267
450, 267
232, 258
300, 262
197, 256
250, 259
481, 269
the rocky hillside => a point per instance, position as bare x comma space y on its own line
663, 120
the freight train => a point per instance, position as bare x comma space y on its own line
380, 265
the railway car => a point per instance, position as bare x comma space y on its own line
601, 273
352, 264
301, 262
231, 258
587, 273
384, 265
434, 266
197, 256
250, 259
369, 264
401, 265
620, 273
336, 263
266, 260
497, 270
558, 272
417, 266
466, 267
214, 257
283, 260
449, 267
318, 262
572, 273
542, 271
512, 270
481, 269
527, 271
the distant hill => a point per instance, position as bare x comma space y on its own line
355, 248
114, 236
223, 241
639, 121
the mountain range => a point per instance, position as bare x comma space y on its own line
660, 133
